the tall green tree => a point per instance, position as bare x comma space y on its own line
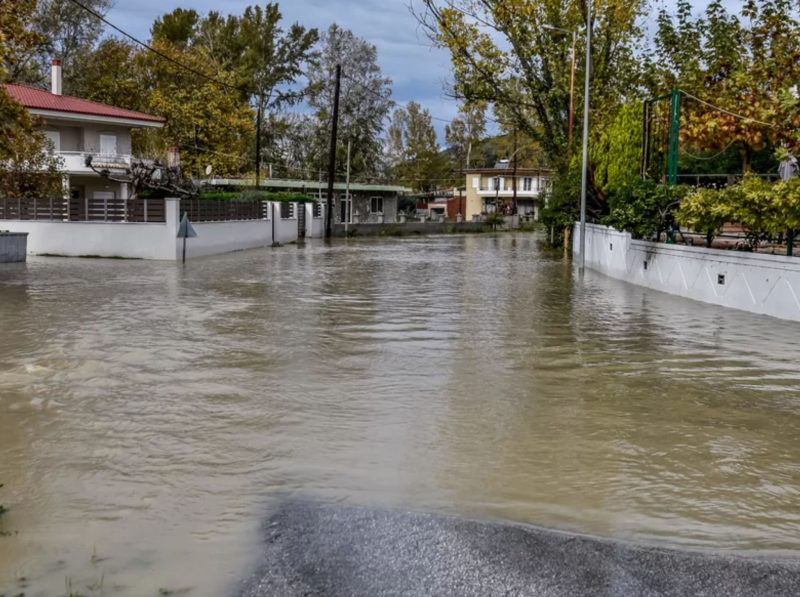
264, 61
207, 122
506, 53
465, 132
63, 30
417, 162
364, 99
111, 74
27, 168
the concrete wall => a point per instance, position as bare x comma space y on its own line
152, 240
13, 246
315, 227
754, 282
112, 239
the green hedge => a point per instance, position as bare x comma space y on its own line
764, 209
254, 195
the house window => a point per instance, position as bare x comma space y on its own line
527, 183
108, 144
376, 205
496, 184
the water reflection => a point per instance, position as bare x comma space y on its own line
148, 413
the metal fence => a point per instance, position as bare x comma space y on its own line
58, 209
220, 210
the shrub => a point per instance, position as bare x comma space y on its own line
705, 211
255, 195
643, 207
753, 205
763, 209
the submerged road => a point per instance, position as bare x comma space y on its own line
318, 549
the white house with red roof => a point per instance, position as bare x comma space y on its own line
78, 128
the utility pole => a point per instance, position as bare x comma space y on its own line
332, 156
348, 211
258, 140
585, 169
514, 176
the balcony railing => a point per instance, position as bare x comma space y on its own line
75, 161
488, 191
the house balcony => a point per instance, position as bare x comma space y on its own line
75, 161
491, 193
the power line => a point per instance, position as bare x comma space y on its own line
724, 111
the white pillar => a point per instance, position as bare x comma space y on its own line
172, 207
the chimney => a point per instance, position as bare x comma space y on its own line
56, 77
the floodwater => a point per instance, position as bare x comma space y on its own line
150, 414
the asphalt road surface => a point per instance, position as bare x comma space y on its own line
313, 549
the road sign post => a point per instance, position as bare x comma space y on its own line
186, 230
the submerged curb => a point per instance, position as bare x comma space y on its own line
320, 549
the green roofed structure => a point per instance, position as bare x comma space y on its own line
369, 203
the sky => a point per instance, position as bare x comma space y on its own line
419, 72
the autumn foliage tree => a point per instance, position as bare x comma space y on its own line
743, 70
27, 169
516, 54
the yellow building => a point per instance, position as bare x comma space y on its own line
490, 190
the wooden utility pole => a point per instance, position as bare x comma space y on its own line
332, 156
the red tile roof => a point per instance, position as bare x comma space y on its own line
34, 98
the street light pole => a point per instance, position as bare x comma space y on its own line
572, 93
585, 169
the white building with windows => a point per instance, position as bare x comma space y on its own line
490, 190
78, 128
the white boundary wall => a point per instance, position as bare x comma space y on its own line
754, 282
315, 227
139, 240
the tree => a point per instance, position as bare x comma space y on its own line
465, 131
503, 53
27, 168
748, 68
364, 99
205, 120
65, 31
617, 152
413, 150
263, 61
149, 175
110, 74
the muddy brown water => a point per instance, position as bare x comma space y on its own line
149, 414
